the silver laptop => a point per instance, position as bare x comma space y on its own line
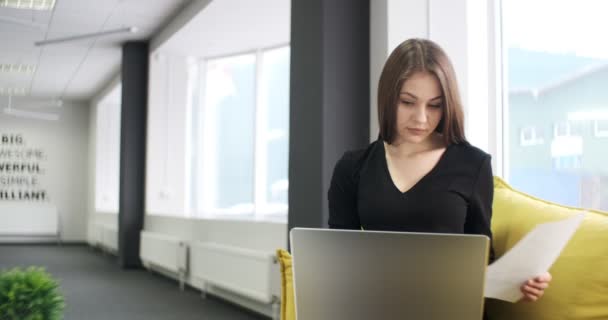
365, 275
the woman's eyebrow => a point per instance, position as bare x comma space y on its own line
405, 92
414, 96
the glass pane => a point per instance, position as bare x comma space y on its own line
556, 78
107, 163
274, 102
228, 122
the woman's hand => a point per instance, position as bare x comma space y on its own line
534, 288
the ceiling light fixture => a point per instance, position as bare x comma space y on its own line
42, 104
28, 4
23, 22
12, 91
86, 36
17, 68
29, 114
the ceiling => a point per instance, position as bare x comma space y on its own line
233, 26
74, 70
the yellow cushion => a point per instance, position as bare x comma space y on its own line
288, 311
579, 289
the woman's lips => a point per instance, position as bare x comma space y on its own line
416, 131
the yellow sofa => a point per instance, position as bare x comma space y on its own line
579, 289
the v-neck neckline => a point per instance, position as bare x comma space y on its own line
428, 174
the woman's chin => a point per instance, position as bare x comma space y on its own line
414, 139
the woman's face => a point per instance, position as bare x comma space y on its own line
419, 108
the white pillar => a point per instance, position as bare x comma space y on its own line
391, 22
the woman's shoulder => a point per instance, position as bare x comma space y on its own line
359, 154
354, 160
469, 163
469, 154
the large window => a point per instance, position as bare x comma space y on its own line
228, 140
242, 137
556, 103
273, 132
107, 152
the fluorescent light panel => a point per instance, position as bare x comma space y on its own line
12, 91
86, 36
28, 4
31, 114
17, 68
23, 22
43, 104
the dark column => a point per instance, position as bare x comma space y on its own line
329, 110
132, 151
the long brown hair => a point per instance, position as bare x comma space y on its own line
412, 56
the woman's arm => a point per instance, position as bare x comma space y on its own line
479, 217
479, 213
342, 195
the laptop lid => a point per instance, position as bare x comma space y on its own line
363, 275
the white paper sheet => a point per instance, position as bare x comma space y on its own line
531, 256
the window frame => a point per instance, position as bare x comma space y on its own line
259, 206
599, 132
107, 153
558, 126
534, 140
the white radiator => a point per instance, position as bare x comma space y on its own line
95, 234
167, 252
19, 220
250, 273
108, 237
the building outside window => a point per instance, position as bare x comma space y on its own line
600, 128
530, 136
558, 85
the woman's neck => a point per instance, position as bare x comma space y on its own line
408, 149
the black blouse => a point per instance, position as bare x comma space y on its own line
454, 197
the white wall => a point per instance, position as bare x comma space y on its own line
460, 27
391, 22
64, 143
168, 154
191, 10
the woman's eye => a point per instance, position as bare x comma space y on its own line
407, 103
435, 106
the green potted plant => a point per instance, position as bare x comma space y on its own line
30, 294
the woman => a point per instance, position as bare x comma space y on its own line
421, 175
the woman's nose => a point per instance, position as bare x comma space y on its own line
420, 114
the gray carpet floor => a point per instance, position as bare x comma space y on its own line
96, 288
